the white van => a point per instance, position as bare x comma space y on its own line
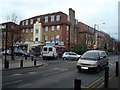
49, 52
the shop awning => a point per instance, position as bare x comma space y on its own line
36, 44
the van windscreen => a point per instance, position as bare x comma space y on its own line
50, 49
45, 49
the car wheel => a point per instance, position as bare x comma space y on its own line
65, 58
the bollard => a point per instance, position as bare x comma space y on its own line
21, 63
34, 62
32, 58
77, 83
117, 68
6, 64
25, 57
106, 77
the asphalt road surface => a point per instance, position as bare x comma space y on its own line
54, 74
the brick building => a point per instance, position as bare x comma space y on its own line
52, 27
12, 32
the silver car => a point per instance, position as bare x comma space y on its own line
70, 56
92, 60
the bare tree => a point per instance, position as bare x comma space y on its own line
13, 31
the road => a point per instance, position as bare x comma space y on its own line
54, 74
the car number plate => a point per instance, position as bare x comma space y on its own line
84, 67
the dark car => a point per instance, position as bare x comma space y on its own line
20, 52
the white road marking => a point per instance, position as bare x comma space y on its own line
12, 82
18, 74
32, 72
24, 85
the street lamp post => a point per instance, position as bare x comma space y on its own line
4, 27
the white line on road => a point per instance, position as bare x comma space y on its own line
22, 86
12, 82
18, 74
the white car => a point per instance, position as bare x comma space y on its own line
92, 60
70, 56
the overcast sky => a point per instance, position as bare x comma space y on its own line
89, 12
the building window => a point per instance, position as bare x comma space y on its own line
31, 30
46, 28
36, 39
23, 30
67, 28
68, 18
76, 21
46, 19
26, 30
58, 37
31, 21
52, 37
52, 28
58, 18
26, 38
46, 37
23, 23
38, 19
31, 38
58, 27
36, 31
52, 18
26, 22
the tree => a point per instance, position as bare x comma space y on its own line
13, 31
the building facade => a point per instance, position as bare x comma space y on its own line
50, 28
10, 33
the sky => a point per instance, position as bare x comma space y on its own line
89, 12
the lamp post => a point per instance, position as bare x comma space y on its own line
4, 27
97, 40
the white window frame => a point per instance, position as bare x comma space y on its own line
23, 23
31, 38
26, 38
36, 31
38, 19
46, 37
31, 30
57, 37
23, 30
26, 22
46, 28
52, 37
52, 18
58, 18
58, 27
68, 18
27, 30
31, 21
52, 28
46, 19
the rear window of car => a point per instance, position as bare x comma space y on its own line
45, 49
50, 48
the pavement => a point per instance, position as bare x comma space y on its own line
113, 82
15, 64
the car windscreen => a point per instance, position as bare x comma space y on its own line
90, 55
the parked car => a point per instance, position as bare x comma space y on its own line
70, 56
20, 52
49, 52
92, 60
7, 53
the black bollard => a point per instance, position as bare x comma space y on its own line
106, 77
32, 58
117, 68
25, 57
21, 63
77, 83
7, 64
34, 62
